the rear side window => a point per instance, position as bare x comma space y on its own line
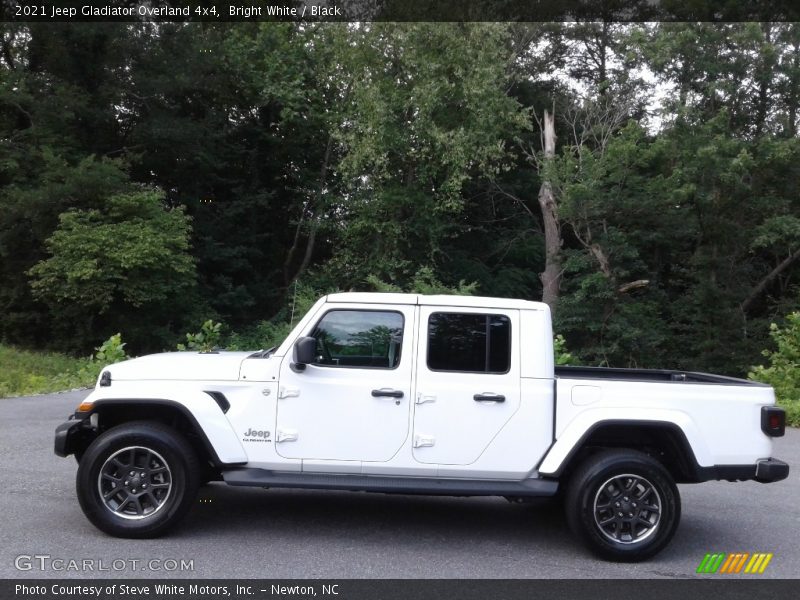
359, 338
469, 343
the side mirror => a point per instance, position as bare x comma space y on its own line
304, 350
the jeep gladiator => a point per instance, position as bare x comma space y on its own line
413, 394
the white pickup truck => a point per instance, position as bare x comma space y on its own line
414, 394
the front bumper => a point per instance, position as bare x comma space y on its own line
71, 435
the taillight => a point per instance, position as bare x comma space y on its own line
773, 421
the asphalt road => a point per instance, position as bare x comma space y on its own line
254, 533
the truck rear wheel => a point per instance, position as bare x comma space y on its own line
137, 480
623, 504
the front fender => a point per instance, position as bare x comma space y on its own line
192, 401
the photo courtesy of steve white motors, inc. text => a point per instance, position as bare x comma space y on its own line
165, 589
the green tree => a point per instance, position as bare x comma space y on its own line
783, 372
129, 257
424, 281
30, 214
425, 113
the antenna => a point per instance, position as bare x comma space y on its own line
294, 301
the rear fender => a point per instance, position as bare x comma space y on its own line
571, 439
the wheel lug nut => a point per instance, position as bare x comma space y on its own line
133, 473
620, 514
144, 485
126, 483
616, 504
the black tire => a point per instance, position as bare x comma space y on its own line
163, 488
623, 504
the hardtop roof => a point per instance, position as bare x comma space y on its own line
434, 300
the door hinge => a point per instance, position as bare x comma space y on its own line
286, 435
424, 441
423, 398
288, 392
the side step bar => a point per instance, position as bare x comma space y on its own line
398, 485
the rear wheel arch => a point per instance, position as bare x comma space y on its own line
663, 441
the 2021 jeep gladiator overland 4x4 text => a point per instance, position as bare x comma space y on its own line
418, 395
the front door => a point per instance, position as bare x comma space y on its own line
468, 382
352, 403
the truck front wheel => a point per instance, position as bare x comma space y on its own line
137, 480
623, 504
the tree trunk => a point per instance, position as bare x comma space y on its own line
551, 277
314, 226
602, 260
768, 279
792, 101
602, 84
765, 78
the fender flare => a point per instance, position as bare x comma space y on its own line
575, 435
223, 446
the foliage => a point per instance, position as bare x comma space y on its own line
206, 340
261, 336
783, 372
25, 372
562, 355
425, 113
270, 333
111, 351
130, 256
30, 214
424, 281
130, 251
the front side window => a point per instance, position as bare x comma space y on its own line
359, 338
470, 343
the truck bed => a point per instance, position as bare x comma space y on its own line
649, 375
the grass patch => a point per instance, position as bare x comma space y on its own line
23, 372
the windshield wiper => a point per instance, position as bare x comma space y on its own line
263, 353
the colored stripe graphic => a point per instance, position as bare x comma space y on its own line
701, 568
727, 563
735, 562
741, 562
724, 563
758, 563
711, 562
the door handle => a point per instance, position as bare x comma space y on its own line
387, 393
489, 397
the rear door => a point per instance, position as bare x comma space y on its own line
468, 382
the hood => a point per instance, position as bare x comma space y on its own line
217, 366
